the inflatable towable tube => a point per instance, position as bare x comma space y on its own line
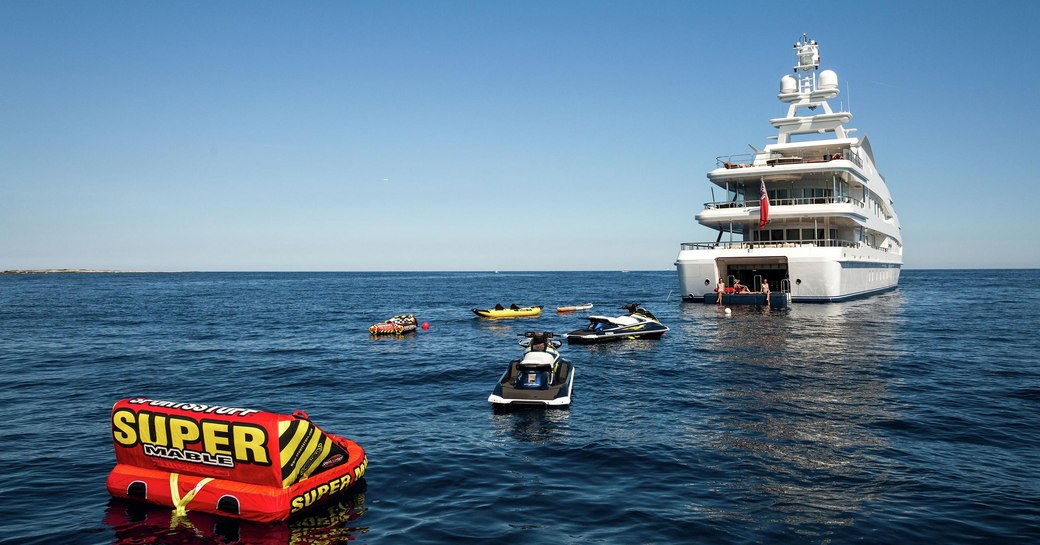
240, 463
398, 325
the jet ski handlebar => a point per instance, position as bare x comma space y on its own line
533, 334
532, 337
635, 308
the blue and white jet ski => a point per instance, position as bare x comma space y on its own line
638, 323
541, 378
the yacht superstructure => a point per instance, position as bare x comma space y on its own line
809, 214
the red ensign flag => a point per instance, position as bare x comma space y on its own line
763, 210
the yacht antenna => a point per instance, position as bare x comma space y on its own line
807, 53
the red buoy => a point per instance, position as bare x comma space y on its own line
426, 325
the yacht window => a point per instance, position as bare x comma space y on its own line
819, 194
776, 234
807, 234
764, 235
792, 234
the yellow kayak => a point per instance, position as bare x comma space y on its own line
508, 312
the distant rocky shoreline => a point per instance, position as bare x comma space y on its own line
55, 271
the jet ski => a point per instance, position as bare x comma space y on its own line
638, 323
541, 378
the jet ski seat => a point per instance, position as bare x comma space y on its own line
624, 320
538, 357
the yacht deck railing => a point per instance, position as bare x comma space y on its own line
746, 160
785, 202
745, 245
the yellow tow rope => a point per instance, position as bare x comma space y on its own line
180, 504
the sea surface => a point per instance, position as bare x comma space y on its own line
910, 417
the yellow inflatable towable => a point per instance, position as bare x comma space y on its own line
512, 312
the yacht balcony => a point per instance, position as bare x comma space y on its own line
719, 205
793, 157
748, 245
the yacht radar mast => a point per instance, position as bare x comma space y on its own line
807, 55
805, 89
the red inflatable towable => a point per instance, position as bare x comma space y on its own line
228, 461
398, 325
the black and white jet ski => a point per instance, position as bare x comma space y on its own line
540, 378
639, 323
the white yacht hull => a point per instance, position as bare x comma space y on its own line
815, 275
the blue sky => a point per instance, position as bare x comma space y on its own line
523, 135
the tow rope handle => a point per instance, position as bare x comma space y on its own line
180, 504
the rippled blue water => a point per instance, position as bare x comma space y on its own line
910, 417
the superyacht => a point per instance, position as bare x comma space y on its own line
808, 217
